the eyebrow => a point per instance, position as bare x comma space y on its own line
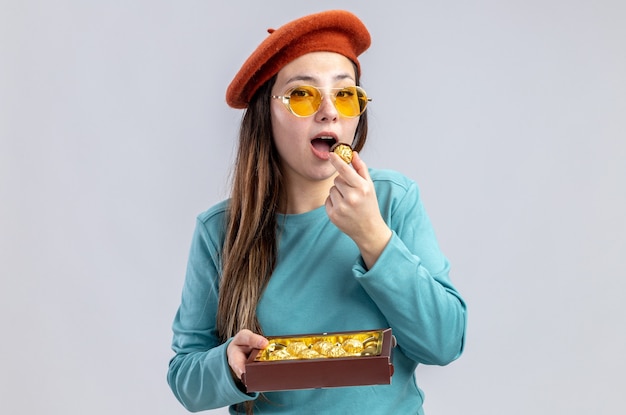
309, 78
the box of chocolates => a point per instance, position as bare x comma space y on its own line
323, 360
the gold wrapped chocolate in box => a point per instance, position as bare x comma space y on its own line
325, 360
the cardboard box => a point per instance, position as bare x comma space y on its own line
272, 369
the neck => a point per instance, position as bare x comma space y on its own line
305, 196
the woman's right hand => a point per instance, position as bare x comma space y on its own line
239, 350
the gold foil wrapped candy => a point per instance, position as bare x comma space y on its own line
280, 354
309, 354
294, 348
352, 346
343, 150
337, 351
323, 346
370, 346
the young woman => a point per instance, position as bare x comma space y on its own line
308, 243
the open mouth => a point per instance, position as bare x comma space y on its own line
323, 144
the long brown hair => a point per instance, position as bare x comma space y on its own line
250, 246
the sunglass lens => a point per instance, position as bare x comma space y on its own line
351, 101
304, 100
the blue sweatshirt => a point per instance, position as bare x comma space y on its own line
321, 284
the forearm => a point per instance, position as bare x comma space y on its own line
425, 312
202, 380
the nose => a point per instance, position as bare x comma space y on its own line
327, 110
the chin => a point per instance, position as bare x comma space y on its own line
324, 174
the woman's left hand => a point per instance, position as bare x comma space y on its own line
352, 206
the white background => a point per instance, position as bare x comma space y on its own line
511, 115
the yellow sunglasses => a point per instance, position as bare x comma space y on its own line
305, 100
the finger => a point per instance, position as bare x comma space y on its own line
334, 195
246, 338
335, 192
347, 174
237, 364
239, 349
341, 166
329, 206
359, 166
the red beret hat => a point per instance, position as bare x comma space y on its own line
330, 31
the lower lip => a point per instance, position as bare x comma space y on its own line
322, 155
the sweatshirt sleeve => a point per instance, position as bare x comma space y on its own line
410, 283
199, 374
